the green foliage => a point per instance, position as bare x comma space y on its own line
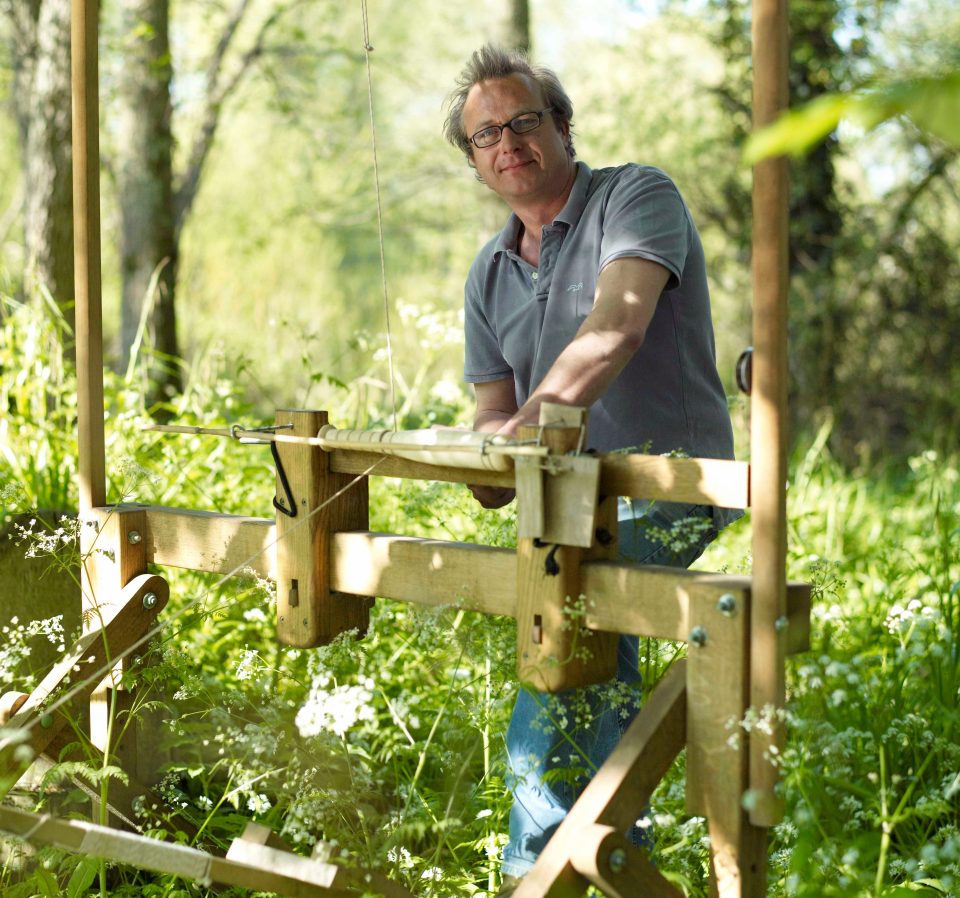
930, 103
388, 751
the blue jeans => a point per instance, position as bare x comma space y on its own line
555, 743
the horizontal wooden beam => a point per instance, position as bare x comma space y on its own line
644, 600
627, 598
702, 481
209, 541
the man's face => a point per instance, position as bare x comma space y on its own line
521, 168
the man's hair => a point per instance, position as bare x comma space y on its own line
490, 63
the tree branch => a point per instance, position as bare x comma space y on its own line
217, 94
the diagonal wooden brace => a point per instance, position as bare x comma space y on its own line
83, 667
614, 798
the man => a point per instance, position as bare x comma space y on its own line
593, 294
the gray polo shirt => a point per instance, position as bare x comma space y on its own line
519, 318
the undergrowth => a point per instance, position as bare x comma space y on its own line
386, 750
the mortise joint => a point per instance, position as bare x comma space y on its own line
538, 629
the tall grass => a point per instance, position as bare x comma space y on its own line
388, 750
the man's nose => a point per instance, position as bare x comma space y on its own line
509, 141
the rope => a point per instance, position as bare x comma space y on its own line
368, 49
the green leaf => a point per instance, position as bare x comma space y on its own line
795, 132
930, 103
82, 877
47, 882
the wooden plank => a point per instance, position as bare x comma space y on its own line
122, 796
113, 554
86, 253
555, 651
304, 880
768, 401
92, 653
698, 480
701, 481
424, 571
621, 787
644, 600
210, 541
309, 613
717, 753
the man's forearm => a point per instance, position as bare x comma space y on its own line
580, 375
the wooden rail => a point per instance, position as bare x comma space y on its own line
641, 599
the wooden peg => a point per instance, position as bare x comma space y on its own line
308, 612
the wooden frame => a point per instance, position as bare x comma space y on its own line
739, 629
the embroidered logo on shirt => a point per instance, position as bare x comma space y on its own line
575, 288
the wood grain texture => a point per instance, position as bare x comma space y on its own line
309, 613
768, 400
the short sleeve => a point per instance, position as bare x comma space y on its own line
646, 217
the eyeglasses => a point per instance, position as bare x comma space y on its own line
521, 124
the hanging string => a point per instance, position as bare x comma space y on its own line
368, 49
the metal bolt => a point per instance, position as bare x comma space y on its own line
727, 604
150, 600
698, 637
134, 537
617, 862
781, 624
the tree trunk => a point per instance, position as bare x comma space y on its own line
516, 29
148, 244
40, 49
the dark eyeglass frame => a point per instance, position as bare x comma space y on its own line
499, 128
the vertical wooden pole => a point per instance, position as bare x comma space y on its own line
768, 405
554, 651
309, 613
86, 249
718, 664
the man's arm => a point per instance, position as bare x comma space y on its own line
623, 306
496, 405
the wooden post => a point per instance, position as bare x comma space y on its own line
113, 547
718, 659
555, 651
768, 404
86, 252
308, 612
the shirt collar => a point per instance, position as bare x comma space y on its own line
568, 215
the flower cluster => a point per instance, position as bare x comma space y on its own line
335, 710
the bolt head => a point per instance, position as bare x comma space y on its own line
150, 600
698, 637
617, 860
134, 537
727, 604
